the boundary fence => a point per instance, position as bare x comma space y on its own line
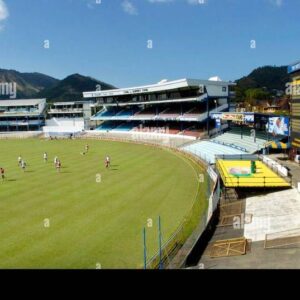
195, 221
194, 224
20, 135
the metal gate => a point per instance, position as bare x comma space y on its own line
225, 248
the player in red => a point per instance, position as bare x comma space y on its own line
2, 174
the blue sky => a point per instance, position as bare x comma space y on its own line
109, 40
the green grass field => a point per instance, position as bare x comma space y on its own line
91, 223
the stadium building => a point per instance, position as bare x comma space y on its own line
179, 107
68, 117
294, 71
22, 115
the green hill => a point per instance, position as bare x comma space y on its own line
37, 85
72, 87
270, 79
28, 84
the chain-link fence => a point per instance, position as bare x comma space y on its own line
190, 230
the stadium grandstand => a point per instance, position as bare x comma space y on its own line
68, 118
22, 115
246, 142
245, 133
207, 150
180, 107
66, 110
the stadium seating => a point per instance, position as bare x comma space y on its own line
116, 113
207, 150
244, 143
193, 113
126, 113
126, 126
194, 133
147, 113
105, 114
170, 113
106, 126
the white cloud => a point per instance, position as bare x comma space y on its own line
277, 3
129, 7
3, 11
194, 2
3, 14
92, 3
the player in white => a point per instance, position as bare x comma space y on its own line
45, 157
19, 160
55, 160
107, 162
23, 165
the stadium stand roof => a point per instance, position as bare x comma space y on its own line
22, 107
294, 67
215, 78
161, 86
21, 102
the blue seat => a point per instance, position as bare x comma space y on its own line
106, 126
126, 126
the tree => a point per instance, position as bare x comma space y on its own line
256, 94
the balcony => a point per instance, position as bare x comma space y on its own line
66, 111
